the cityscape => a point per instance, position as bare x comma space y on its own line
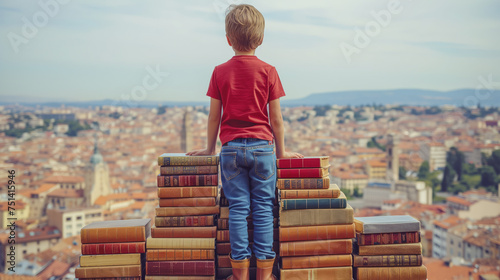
71, 166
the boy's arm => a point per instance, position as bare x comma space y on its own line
212, 129
276, 120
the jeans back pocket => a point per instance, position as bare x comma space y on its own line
265, 164
228, 166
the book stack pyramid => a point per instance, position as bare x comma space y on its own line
223, 242
388, 248
316, 223
114, 249
182, 242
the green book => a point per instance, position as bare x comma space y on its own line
314, 203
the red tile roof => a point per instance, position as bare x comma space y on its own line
449, 222
459, 200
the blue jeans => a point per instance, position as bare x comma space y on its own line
248, 168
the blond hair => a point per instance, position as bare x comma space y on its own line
244, 27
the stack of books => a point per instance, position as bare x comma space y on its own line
223, 242
388, 248
182, 241
114, 249
316, 223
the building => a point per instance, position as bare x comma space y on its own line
349, 181
21, 212
435, 154
70, 221
96, 178
414, 191
376, 193
440, 235
376, 169
392, 148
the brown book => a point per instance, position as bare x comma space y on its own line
316, 261
180, 243
388, 238
180, 268
181, 192
109, 271
187, 180
303, 172
313, 248
305, 233
328, 273
186, 211
332, 192
187, 202
223, 235
225, 248
303, 183
179, 254
114, 248
224, 261
224, 212
135, 230
110, 260
313, 217
391, 273
185, 221
184, 232
392, 249
180, 277
305, 162
189, 170
393, 260
224, 223
179, 159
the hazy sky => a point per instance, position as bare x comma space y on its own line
94, 49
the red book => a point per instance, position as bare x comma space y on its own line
388, 238
114, 248
187, 202
303, 173
306, 162
179, 254
108, 271
184, 232
187, 180
180, 268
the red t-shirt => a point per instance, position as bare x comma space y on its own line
245, 85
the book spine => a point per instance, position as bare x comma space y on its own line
305, 233
112, 271
189, 170
317, 273
393, 249
312, 248
302, 173
391, 273
298, 194
181, 243
388, 238
312, 203
223, 235
184, 232
160, 268
113, 235
301, 162
316, 261
187, 211
113, 248
309, 217
187, 202
297, 184
187, 160
181, 192
223, 202
179, 255
187, 180
394, 260
110, 260
185, 221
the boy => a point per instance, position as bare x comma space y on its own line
244, 86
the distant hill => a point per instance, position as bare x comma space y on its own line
419, 97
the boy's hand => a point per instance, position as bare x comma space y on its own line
204, 152
290, 155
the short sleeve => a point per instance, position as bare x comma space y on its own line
275, 88
213, 89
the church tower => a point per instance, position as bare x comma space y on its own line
186, 133
392, 149
96, 177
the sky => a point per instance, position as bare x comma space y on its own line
166, 50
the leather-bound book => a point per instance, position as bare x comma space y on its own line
316, 261
186, 211
179, 268
327, 273
391, 273
391, 260
180, 243
314, 248
302, 172
184, 232
119, 231
187, 180
332, 192
388, 238
185, 221
189, 170
305, 233
386, 224
179, 254
311, 217
305, 162
114, 248
313, 203
179, 159
108, 271
188, 202
181, 192
391, 249
303, 183
110, 260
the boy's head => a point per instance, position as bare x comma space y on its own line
244, 27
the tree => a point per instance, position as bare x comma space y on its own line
356, 192
488, 176
448, 178
494, 161
424, 170
402, 173
469, 169
455, 159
